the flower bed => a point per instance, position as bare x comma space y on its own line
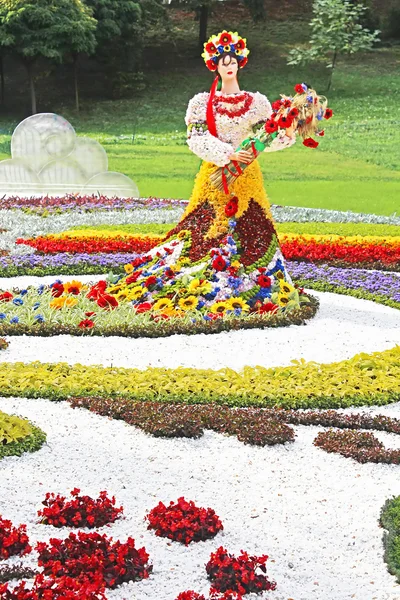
13, 540
390, 520
18, 436
81, 511
184, 522
362, 446
360, 381
94, 558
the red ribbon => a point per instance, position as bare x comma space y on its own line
212, 128
254, 149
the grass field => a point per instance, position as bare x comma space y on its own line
356, 167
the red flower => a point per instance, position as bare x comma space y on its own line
225, 39
214, 316
86, 324
6, 297
90, 314
133, 277
286, 103
95, 558
285, 122
321, 133
210, 48
243, 62
241, 575
81, 511
107, 301
184, 522
219, 264
270, 126
211, 65
276, 105
268, 307
151, 281
190, 595
328, 113
310, 143
231, 207
57, 289
13, 540
294, 112
143, 307
298, 88
240, 45
97, 290
263, 281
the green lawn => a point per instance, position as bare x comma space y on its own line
356, 167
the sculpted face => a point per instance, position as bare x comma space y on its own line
228, 68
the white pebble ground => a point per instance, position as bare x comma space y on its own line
314, 514
343, 327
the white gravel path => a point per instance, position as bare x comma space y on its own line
343, 327
314, 514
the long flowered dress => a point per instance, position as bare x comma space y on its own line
237, 117
215, 262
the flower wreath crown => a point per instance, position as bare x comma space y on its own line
226, 41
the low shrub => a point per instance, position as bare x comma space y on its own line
17, 571
13, 429
184, 522
361, 445
31, 443
230, 574
174, 420
81, 511
93, 558
13, 540
62, 588
390, 520
365, 379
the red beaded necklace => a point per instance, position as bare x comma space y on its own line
245, 97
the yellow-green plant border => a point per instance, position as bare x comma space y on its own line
365, 379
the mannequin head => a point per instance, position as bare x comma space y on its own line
228, 68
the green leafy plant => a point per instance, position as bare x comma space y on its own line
335, 30
390, 520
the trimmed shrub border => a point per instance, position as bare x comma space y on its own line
173, 326
362, 446
365, 379
30, 443
339, 289
390, 520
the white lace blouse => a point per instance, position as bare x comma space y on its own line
231, 130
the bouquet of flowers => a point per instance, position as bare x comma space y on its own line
303, 112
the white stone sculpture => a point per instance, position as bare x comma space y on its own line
48, 158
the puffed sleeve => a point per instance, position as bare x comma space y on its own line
263, 111
199, 139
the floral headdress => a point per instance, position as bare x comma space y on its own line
225, 42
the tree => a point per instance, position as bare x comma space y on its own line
32, 29
120, 34
335, 30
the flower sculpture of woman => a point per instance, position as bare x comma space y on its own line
223, 259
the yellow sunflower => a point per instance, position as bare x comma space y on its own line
114, 289
219, 308
163, 304
73, 287
285, 287
233, 303
62, 302
283, 299
137, 292
279, 275
188, 303
128, 268
199, 287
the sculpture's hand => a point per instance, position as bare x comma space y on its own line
243, 156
